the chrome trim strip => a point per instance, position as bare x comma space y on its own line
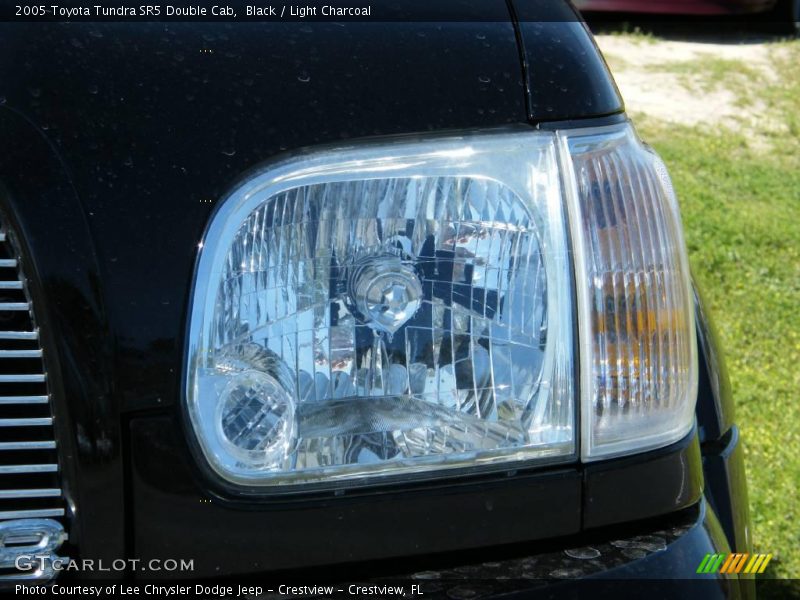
35, 422
32, 514
20, 353
14, 306
35, 493
22, 378
44, 445
13, 469
19, 335
24, 399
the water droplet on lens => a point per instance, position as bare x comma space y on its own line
304, 77
481, 36
484, 79
229, 151
35, 92
2, 99
93, 89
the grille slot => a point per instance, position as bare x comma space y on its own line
29, 472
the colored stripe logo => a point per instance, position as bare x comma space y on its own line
734, 563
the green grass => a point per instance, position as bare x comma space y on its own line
741, 211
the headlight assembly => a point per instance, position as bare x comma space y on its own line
405, 308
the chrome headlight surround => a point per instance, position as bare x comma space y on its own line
520, 167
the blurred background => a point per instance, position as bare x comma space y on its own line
718, 96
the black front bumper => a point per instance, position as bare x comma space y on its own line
655, 561
656, 557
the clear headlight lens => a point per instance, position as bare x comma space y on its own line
386, 310
405, 308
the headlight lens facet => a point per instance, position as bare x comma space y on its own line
400, 309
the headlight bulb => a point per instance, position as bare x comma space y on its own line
386, 291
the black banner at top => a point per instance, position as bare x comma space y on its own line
276, 11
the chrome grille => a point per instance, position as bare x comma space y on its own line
29, 473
